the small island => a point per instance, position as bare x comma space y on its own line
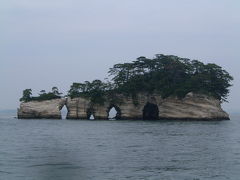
164, 87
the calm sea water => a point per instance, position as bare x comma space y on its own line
116, 150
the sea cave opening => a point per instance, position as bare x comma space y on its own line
91, 117
64, 112
114, 113
150, 112
90, 114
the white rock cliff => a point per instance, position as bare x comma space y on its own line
49, 109
192, 107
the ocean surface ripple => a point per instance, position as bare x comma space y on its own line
117, 150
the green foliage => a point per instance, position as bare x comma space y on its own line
166, 75
42, 96
113, 97
26, 95
55, 91
95, 90
170, 75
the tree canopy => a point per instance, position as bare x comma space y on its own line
166, 75
27, 95
171, 75
95, 90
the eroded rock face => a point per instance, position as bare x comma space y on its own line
193, 106
49, 109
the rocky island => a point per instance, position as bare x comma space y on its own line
165, 87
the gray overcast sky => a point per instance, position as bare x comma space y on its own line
46, 43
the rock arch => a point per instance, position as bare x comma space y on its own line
193, 106
90, 112
64, 111
150, 111
118, 114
